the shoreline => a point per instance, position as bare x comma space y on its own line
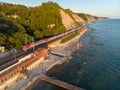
58, 63
47, 64
49, 73
57, 42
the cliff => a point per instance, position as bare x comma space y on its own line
71, 19
88, 18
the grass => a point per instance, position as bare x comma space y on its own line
69, 37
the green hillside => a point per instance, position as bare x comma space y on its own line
88, 17
18, 23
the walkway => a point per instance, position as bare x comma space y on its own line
60, 83
57, 54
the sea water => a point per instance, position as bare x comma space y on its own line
96, 65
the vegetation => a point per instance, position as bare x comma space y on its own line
86, 17
18, 23
70, 13
69, 37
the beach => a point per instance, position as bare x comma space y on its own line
45, 64
59, 63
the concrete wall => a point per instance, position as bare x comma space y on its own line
23, 66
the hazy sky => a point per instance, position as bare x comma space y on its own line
107, 8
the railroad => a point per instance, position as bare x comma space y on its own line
14, 57
39, 49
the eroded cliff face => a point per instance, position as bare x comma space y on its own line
77, 18
72, 20
90, 19
67, 21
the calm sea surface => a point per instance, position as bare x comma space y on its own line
97, 65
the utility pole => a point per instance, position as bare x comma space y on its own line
33, 43
25, 40
57, 25
14, 53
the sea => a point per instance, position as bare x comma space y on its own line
96, 65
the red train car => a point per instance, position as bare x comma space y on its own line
26, 47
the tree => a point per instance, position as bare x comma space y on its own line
38, 34
2, 39
19, 39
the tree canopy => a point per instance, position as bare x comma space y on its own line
18, 22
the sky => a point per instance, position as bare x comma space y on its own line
105, 8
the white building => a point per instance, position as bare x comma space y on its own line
2, 48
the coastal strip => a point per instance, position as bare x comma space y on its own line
47, 64
59, 61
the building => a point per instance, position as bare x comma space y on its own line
2, 48
13, 16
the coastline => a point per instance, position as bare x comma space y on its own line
59, 64
57, 42
50, 62
81, 74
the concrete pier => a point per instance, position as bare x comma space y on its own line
57, 54
59, 83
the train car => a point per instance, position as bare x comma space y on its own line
31, 48
14, 58
26, 47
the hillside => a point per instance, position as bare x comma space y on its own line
70, 19
67, 21
18, 23
88, 18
